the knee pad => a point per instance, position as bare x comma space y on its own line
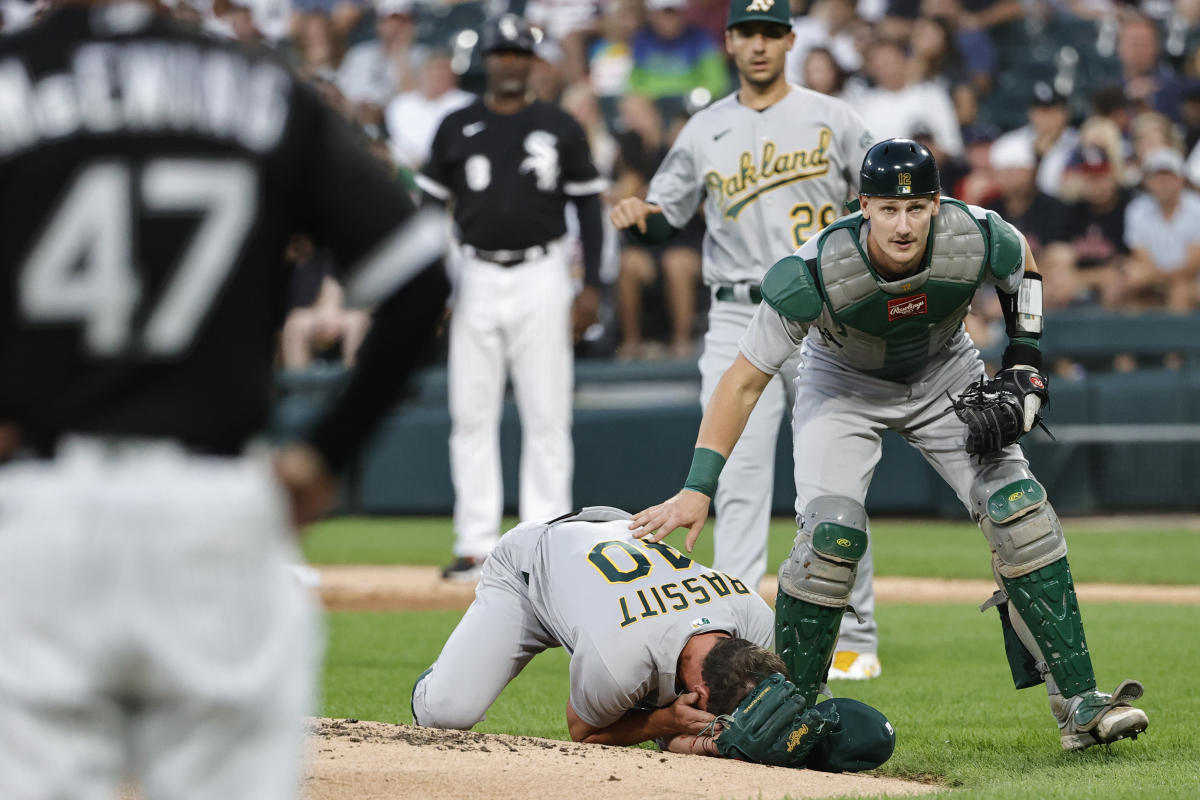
832, 540
1020, 525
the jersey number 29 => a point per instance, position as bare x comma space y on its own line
83, 266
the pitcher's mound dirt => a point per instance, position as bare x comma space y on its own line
353, 760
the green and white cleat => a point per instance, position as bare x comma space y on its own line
1098, 718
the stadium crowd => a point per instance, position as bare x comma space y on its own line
1077, 120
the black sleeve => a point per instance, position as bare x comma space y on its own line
401, 331
435, 179
591, 236
346, 198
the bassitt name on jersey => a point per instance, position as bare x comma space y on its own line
773, 169
145, 87
668, 598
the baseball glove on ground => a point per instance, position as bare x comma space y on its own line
992, 414
772, 726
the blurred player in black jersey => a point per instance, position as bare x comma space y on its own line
508, 165
150, 178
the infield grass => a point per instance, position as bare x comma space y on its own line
931, 549
947, 691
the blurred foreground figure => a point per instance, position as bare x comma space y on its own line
150, 178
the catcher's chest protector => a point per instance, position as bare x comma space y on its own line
889, 329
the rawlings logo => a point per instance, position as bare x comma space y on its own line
1037, 381
843, 542
1015, 496
903, 307
795, 737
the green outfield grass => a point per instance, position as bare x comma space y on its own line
1144, 554
947, 691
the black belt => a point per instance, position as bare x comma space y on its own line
507, 258
741, 293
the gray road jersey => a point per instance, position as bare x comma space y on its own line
887, 329
769, 179
624, 609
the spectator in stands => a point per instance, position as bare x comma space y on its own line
1150, 84
413, 117
1050, 135
935, 58
673, 268
610, 56
318, 48
373, 72
1152, 131
1163, 236
317, 320
822, 72
978, 185
671, 57
1033, 212
894, 106
829, 24
971, 19
1094, 227
569, 23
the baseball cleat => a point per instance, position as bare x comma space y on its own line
1097, 718
464, 569
851, 666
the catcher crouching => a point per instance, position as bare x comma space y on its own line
662, 648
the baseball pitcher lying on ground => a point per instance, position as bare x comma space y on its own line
662, 648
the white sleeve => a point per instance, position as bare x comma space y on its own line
676, 186
770, 339
599, 697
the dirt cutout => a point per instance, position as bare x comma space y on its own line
354, 760
404, 588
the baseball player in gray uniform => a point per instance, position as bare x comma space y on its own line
660, 645
772, 164
875, 306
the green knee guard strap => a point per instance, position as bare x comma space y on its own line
804, 637
1046, 601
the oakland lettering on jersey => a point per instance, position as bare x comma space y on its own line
667, 598
772, 170
145, 87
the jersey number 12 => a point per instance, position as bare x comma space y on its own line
82, 268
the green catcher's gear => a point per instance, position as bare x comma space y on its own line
899, 168
772, 726
789, 288
814, 588
1098, 718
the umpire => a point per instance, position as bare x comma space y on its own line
507, 165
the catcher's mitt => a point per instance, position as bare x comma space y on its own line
992, 414
772, 726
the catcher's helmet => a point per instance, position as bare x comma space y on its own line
899, 168
507, 32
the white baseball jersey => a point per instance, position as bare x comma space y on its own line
622, 607
769, 179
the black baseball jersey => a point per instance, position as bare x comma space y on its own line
150, 177
509, 175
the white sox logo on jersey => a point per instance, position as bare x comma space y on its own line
773, 169
542, 160
760, 5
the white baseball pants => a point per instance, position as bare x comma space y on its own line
150, 627
510, 321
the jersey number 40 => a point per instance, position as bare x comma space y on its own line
82, 267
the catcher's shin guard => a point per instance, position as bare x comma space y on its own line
814, 588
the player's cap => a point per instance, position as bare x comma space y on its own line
388, 8
776, 11
1012, 151
861, 739
507, 32
899, 168
1163, 159
1046, 96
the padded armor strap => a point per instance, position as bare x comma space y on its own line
804, 637
1005, 252
1046, 602
1029, 537
788, 287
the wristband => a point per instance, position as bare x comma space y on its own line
706, 468
1022, 351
